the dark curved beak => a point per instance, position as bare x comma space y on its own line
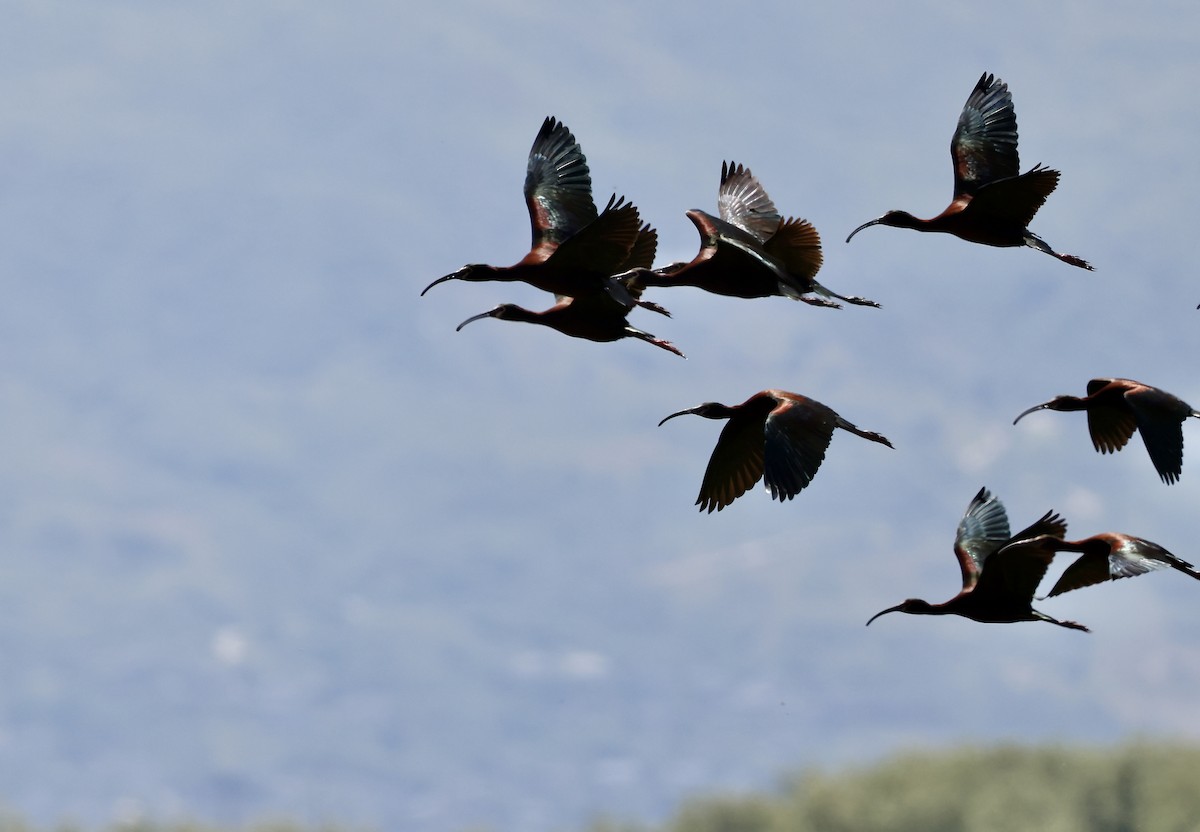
864, 225
680, 413
451, 276
1025, 413
896, 608
478, 317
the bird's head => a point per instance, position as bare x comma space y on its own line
896, 219
709, 410
473, 271
1057, 403
913, 606
505, 312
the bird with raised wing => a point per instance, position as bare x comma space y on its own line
596, 316
750, 250
575, 249
775, 436
1000, 571
1116, 407
993, 201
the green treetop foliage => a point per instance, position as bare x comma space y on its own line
1134, 788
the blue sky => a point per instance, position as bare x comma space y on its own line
241, 449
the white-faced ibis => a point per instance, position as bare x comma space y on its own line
993, 201
574, 250
1109, 556
1116, 407
1000, 572
750, 251
775, 436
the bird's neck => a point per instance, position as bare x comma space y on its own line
482, 271
528, 316
1070, 404
903, 219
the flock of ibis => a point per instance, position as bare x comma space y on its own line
598, 264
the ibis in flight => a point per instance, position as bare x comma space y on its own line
993, 201
1000, 571
750, 250
1110, 555
1116, 407
775, 436
575, 249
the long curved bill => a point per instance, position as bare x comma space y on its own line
864, 225
896, 608
1025, 413
680, 413
443, 279
478, 317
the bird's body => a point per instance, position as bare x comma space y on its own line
575, 249
1000, 571
1111, 555
750, 250
993, 201
1116, 407
776, 436
597, 316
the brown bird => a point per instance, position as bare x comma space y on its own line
1000, 572
993, 202
1109, 556
1116, 407
596, 316
774, 435
574, 250
750, 251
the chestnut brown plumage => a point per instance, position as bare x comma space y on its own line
1116, 407
1111, 555
775, 436
993, 201
1000, 571
575, 250
750, 250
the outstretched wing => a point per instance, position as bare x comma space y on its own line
641, 255
982, 530
1110, 556
1015, 200
1159, 417
797, 245
743, 201
1110, 427
736, 463
984, 147
1014, 571
558, 185
603, 245
797, 435
1050, 524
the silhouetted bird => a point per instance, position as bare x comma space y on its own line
993, 201
596, 316
750, 251
1116, 407
574, 250
1000, 572
774, 435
